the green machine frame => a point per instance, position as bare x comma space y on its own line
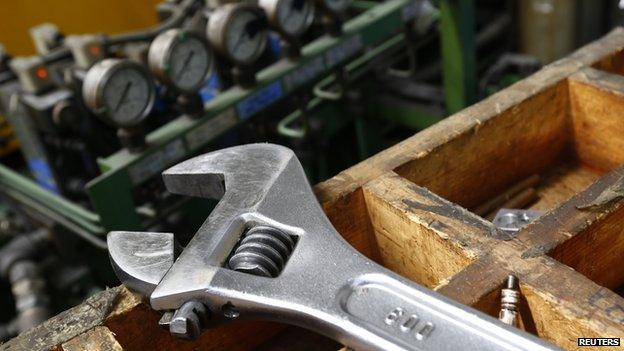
381, 25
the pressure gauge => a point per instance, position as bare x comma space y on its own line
291, 17
181, 59
120, 91
336, 7
238, 32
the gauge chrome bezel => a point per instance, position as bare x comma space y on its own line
271, 7
99, 76
218, 24
161, 50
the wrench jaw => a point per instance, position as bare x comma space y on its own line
141, 259
235, 168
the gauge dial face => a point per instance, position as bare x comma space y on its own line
126, 95
294, 17
120, 90
245, 36
181, 59
336, 6
190, 63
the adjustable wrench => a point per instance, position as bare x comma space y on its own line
267, 251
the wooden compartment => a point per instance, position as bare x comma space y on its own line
411, 208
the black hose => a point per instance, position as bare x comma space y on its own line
22, 247
178, 16
32, 301
18, 266
8, 331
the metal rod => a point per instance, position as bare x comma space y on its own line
520, 200
11, 178
496, 202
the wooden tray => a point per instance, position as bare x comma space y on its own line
407, 206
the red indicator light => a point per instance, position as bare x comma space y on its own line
94, 50
42, 73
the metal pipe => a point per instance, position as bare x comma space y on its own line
32, 301
9, 330
179, 15
22, 247
18, 266
32, 189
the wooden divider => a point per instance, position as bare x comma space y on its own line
420, 235
597, 110
402, 207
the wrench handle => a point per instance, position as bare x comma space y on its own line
391, 313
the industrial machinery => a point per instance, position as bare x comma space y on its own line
99, 117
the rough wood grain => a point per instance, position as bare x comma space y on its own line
561, 182
561, 304
567, 220
96, 339
598, 250
501, 151
420, 235
68, 324
597, 109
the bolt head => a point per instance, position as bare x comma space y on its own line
185, 327
187, 321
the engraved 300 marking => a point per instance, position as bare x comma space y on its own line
408, 323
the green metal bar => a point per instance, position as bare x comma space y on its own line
112, 199
410, 115
362, 140
283, 127
31, 189
364, 5
458, 53
74, 224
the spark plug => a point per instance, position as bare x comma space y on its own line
510, 296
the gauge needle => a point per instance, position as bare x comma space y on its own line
240, 40
185, 64
290, 8
123, 95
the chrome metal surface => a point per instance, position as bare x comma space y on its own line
238, 31
182, 59
120, 91
325, 285
292, 18
512, 220
140, 260
188, 321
